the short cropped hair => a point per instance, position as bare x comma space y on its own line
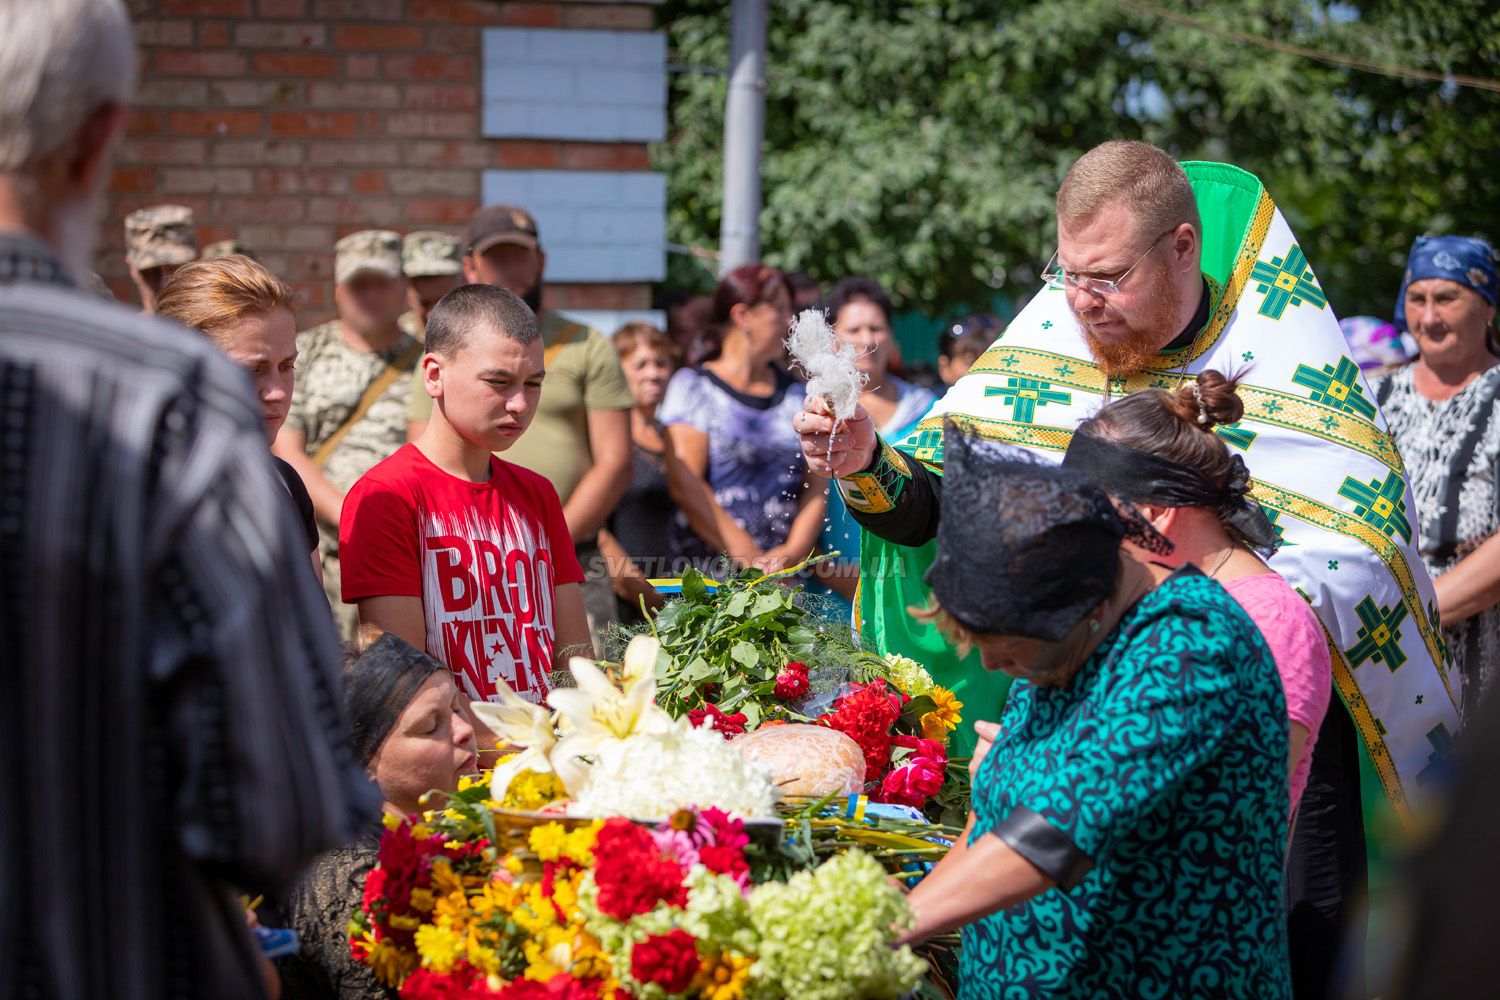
211, 295
1146, 179
461, 313
60, 62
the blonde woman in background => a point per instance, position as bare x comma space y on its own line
247, 312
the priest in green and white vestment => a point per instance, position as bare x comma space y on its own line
1325, 469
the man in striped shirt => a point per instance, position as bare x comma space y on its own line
170, 732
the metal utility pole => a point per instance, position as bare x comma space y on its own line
744, 128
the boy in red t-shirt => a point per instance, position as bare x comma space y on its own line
447, 546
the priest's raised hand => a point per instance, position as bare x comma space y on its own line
852, 447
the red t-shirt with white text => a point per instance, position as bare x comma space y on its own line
483, 557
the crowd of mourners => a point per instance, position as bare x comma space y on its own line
463, 484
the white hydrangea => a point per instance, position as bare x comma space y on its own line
652, 775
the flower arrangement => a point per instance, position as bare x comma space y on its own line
748, 654
619, 754
615, 909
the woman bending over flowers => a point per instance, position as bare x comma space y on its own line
1129, 820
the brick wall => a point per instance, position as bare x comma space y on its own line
289, 123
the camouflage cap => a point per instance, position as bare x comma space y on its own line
159, 235
228, 248
496, 224
377, 250
428, 254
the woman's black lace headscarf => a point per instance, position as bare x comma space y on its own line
1025, 549
378, 685
1141, 477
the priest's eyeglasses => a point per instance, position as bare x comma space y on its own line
1056, 276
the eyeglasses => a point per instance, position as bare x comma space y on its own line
1057, 277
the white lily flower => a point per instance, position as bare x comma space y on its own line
517, 722
596, 715
640, 660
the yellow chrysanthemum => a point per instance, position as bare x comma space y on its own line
513, 864
468, 781
533, 789
422, 900
444, 879
390, 820
451, 908
421, 831
945, 716
549, 954
580, 847
439, 947
548, 841
390, 963
724, 977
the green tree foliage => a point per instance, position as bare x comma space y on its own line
922, 141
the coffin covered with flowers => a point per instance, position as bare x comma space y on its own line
638, 842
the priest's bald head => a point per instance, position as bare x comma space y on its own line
1128, 245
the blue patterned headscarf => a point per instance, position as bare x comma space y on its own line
1463, 259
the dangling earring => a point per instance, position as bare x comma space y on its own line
1094, 626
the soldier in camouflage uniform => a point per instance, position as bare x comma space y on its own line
229, 248
158, 240
353, 379
434, 266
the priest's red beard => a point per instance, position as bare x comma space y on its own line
1127, 351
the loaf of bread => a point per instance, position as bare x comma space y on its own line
804, 760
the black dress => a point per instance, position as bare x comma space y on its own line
318, 908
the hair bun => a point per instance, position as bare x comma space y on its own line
1212, 400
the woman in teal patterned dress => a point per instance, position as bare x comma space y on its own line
1129, 819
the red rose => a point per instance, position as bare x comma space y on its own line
791, 682
668, 960
729, 725
919, 777
913, 783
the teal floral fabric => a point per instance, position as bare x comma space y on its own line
1158, 773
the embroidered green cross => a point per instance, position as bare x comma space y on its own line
1382, 505
1337, 387
1047, 325
1379, 635
1009, 360
1237, 434
1273, 407
1024, 395
927, 446
1286, 281
1064, 370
